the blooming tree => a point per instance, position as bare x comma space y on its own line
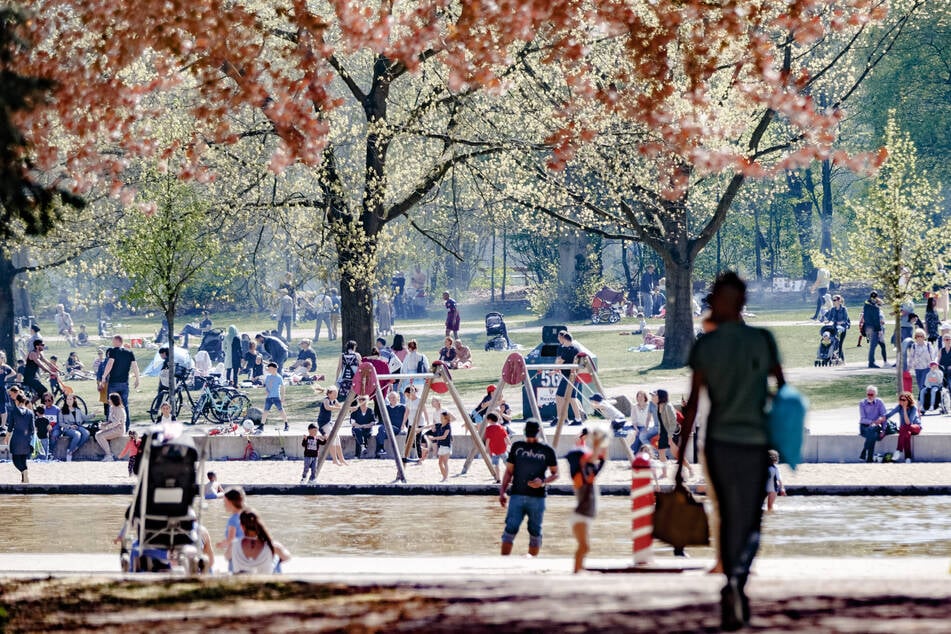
294, 62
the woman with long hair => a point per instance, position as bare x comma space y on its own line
257, 553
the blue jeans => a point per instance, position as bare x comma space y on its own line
870, 434
190, 330
872, 335
122, 389
520, 506
310, 464
647, 304
644, 437
322, 319
284, 321
77, 437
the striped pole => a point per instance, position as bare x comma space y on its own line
642, 505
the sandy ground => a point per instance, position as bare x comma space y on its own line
488, 594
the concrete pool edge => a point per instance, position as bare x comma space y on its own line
420, 489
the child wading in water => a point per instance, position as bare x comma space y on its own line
234, 504
585, 462
774, 486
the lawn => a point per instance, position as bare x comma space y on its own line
617, 365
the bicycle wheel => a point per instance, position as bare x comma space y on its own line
235, 409
77, 399
219, 398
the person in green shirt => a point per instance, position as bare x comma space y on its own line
733, 363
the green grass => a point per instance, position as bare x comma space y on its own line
617, 366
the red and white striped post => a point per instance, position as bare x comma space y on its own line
642, 505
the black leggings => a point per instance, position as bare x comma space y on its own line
738, 474
19, 461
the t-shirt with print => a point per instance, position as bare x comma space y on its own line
531, 460
736, 360
311, 445
273, 383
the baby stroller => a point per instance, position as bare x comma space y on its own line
160, 532
828, 352
606, 306
497, 333
211, 342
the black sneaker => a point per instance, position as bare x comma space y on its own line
287, 427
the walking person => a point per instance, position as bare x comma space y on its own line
233, 354
115, 378
585, 463
21, 426
334, 314
648, 284
274, 388
453, 318
324, 309
285, 313
838, 316
525, 469
736, 444
872, 320
823, 277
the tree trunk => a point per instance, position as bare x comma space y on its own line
678, 322
825, 212
354, 261
7, 280
802, 213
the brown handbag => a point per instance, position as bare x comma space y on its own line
679, 519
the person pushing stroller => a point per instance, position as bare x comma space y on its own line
838, 318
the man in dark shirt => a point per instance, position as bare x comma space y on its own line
872, 321
525, 469
362, 421
397, 413
305, 353
119, 361
274, 349
566, 394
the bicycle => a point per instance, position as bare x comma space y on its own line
61, 391
216, 403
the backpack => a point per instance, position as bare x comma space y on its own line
349, 366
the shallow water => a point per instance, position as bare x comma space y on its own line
471, 525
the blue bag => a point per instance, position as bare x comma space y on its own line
785, 424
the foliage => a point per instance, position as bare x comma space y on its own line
170, 248
25, 201
898, 239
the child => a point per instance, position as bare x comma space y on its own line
54, 376
930, 394
496, 438
608, 411
774, 486
43, 431
311, 444
132, 448
83, 337
213, 490
234, 504
274, 386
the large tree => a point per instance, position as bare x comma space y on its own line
285, 58
668, 177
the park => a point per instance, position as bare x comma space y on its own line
428, 250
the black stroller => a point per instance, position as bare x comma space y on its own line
212, 343
828, 352
497, 333
161, 530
